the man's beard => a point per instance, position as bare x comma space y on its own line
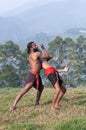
36, 49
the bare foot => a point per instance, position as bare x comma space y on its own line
52, 108
57, 107
12, 108
36, 104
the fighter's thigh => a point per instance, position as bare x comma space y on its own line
28, 86
56, 86
62, 87
52, 78
40, 86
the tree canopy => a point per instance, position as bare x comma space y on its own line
14, 64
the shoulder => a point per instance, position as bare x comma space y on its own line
38, 53
35, 55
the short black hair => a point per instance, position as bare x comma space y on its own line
29, 45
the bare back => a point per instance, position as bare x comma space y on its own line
35, 62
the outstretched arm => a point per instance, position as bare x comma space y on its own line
66, 69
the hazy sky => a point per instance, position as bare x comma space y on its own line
8, 5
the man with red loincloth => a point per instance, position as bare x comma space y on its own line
33, 78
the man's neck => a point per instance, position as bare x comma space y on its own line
32, 51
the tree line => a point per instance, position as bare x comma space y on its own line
14, 64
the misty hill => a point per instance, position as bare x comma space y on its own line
51, 19
54, 18
11, 29
38, 38
75, 32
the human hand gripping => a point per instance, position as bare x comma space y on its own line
42, 46
66, 69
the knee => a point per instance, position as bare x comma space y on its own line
23, 92
57, 90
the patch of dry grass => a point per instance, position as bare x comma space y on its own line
73, 106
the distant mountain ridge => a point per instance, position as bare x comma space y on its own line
11, 29
76, 31
51, 19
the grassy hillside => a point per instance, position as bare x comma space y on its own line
71, 116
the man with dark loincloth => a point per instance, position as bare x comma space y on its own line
33, 78
56, 80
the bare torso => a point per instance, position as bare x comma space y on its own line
45, 65
35, 63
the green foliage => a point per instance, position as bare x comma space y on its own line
68, 52
14, 63
9, 77
56, 49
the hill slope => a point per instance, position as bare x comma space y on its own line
72, 114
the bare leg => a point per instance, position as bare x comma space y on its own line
57, 91
62, 92
20, 94
39, 92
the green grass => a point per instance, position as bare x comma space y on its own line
25, 127
71, 116
73, 124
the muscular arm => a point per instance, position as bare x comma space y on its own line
42, 55
45, 52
